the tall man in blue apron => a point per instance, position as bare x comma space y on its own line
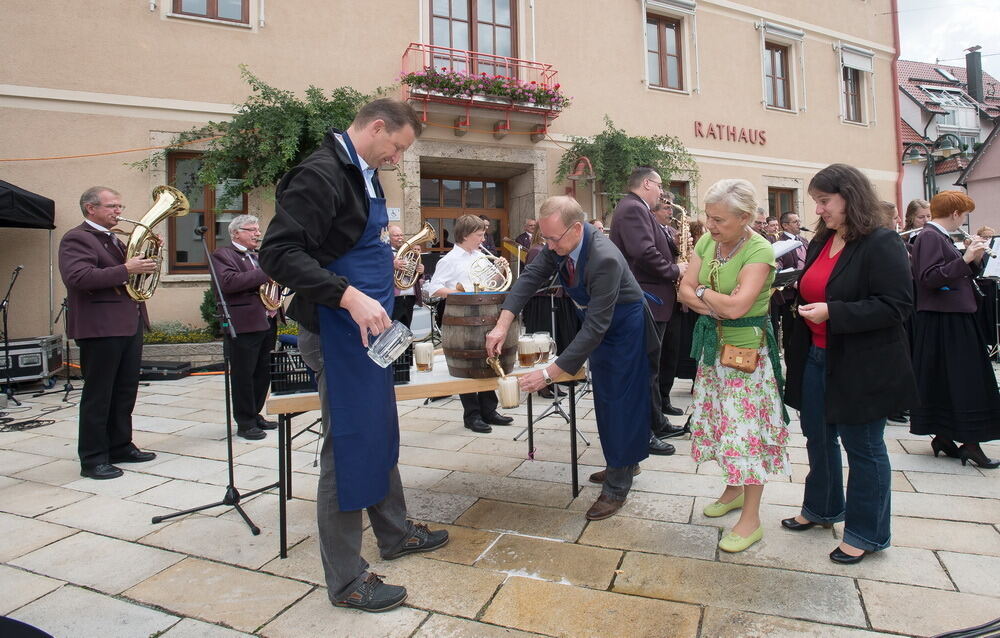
329, 242
617, 336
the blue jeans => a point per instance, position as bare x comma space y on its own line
866, 510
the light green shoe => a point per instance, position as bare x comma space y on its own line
717, 509
734, 543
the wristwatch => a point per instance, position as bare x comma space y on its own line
545, 375
699, 292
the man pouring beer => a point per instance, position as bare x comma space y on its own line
617, 335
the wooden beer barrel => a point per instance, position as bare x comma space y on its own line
468, 317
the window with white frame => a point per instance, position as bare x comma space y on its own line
962, 111
856, 84
782, 66
671, 45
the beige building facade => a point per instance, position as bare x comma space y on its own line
767, 90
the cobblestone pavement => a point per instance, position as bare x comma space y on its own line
81, 558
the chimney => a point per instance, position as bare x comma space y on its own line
974, 74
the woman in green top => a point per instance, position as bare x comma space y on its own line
738, 418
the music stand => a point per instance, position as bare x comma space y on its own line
68, 386
8, 363
232, 497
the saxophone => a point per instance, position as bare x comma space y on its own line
683, 238
170, 202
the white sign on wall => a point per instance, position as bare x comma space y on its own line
394, 214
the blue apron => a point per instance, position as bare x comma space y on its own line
619, 368
360, 395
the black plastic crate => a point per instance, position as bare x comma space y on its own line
401, 367
289, 374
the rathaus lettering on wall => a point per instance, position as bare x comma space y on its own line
730, 133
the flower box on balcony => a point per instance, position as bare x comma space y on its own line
483, 88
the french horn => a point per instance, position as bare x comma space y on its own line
409, 252
490, 273
271, 294
143, 242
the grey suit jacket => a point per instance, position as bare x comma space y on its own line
608, 281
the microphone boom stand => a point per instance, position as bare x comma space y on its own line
68, 386
8, 363
233, 496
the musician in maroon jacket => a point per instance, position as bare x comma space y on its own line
652, 259
107, 326
240, 278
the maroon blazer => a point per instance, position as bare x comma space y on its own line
240, 282
648, 252
943, 279
92, 265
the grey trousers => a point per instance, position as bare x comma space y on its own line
617, 482
339, 531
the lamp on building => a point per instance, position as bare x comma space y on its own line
584, 171
943, 147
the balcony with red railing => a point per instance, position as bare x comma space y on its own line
435, 75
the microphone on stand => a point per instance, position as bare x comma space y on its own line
200, 230
19, 269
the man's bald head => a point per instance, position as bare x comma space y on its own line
395, 236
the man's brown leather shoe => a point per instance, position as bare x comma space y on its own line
604, 507
598, 477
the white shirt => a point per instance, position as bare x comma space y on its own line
366, 170
451, 270
97, 226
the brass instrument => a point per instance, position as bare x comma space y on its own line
490, 273
143, 243
683, 238
989, 251
409, 252
904, 233
271, 294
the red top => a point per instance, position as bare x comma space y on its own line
812, 286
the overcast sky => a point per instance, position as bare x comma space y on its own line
943, 29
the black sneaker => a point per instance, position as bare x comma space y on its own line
373, 595
421, 540
252, 433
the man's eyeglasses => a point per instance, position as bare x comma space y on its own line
111, 206
250, 230
555, 240
658, 184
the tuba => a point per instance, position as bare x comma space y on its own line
406, 276
683, 237
490, 273
270, 294
143, 243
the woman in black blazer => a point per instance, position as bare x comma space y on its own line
848, 360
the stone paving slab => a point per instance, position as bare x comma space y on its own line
523, 519
106, 564
127, 485
12, 461
439, 507
725, 623
505, 488
33, 499
191, 628
70, 612
20, 588
977, 486
463, 461
660, 507
918, 611
109, 516
543, 607
239, 598
973, 574
448, 588
440, 626
179, 494
566, 563
830, 599
58, 472
970, 538
315, 617
950, 508
22, 535
658, 537
420, 477
43, 445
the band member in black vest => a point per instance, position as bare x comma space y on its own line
240, 278
407, 298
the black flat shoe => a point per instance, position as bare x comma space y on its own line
660, 448
975, 454
795, 526
671, 410
264, 424
253, 433
478, 425
498, 419
844, 558
947, 446
134, 455
101, 472
668, 431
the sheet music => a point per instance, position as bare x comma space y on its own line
784, 247
991, 266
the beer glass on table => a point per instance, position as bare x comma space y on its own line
527, 351
423, 356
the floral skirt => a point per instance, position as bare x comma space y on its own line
737, 422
